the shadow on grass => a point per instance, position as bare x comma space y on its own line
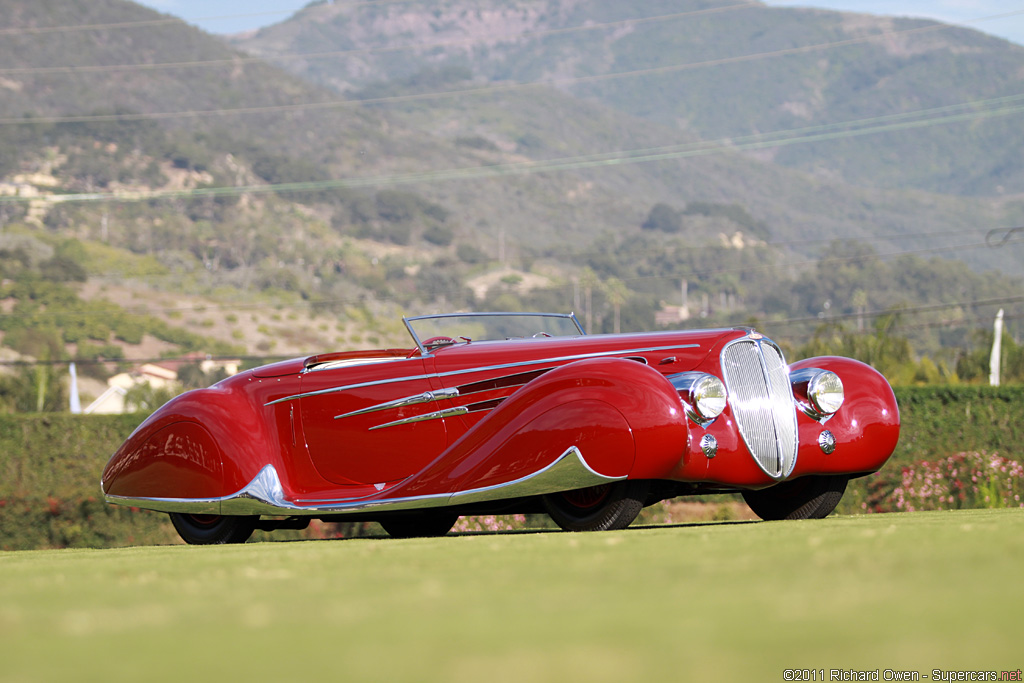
687, 525
520, 532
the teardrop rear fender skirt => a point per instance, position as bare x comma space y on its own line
264, 495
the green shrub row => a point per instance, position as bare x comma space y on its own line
46, 522
50, 466
938, 422
35, 522
58, 454
942, 420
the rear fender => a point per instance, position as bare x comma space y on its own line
206, 443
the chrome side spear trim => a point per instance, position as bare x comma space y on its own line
447, 412
484, 368
425, 397
264, 495
504, 382
436, 415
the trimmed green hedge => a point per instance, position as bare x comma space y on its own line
942, 420
47, 522
939, 421
50, 468
58, 454
50, 465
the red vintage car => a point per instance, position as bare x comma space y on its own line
498, 413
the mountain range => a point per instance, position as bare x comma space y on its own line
717, 69
370, 156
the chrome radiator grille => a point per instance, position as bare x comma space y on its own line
762, 403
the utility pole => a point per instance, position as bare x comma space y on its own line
75, 403
997, 351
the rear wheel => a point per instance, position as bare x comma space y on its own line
805, 498
213, 529
419, 525
598, 508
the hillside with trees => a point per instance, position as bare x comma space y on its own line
163, 192
717, 69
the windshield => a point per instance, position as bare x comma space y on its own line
461, 327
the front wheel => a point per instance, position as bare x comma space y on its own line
598, 508
805, 498
213, 529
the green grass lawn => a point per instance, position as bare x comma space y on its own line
709, 601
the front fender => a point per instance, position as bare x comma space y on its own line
624, 417
866, 427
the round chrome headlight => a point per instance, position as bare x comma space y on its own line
825, 392
704, 396
709, 397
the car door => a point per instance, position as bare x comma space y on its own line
372, 422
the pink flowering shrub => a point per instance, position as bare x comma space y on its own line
490, 523
688, 511
964, 480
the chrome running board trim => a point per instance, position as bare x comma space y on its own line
264, 495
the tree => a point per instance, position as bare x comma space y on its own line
33, 389
617, 293
588, 280
664, 218
143, 397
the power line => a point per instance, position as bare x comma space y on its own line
892, 122
827, 259
966, 321
141, 361
38, 30
908, 310
995, 107
557, 253
69, 28
490, 89
395, 48
238, 60
326, 303
911, 310
766, 323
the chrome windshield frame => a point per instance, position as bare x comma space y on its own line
408, 321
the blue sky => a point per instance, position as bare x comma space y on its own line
233, 16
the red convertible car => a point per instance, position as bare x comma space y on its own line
498, 413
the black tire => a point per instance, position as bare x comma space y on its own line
419, 525
213, 529
598, 508
805, 498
